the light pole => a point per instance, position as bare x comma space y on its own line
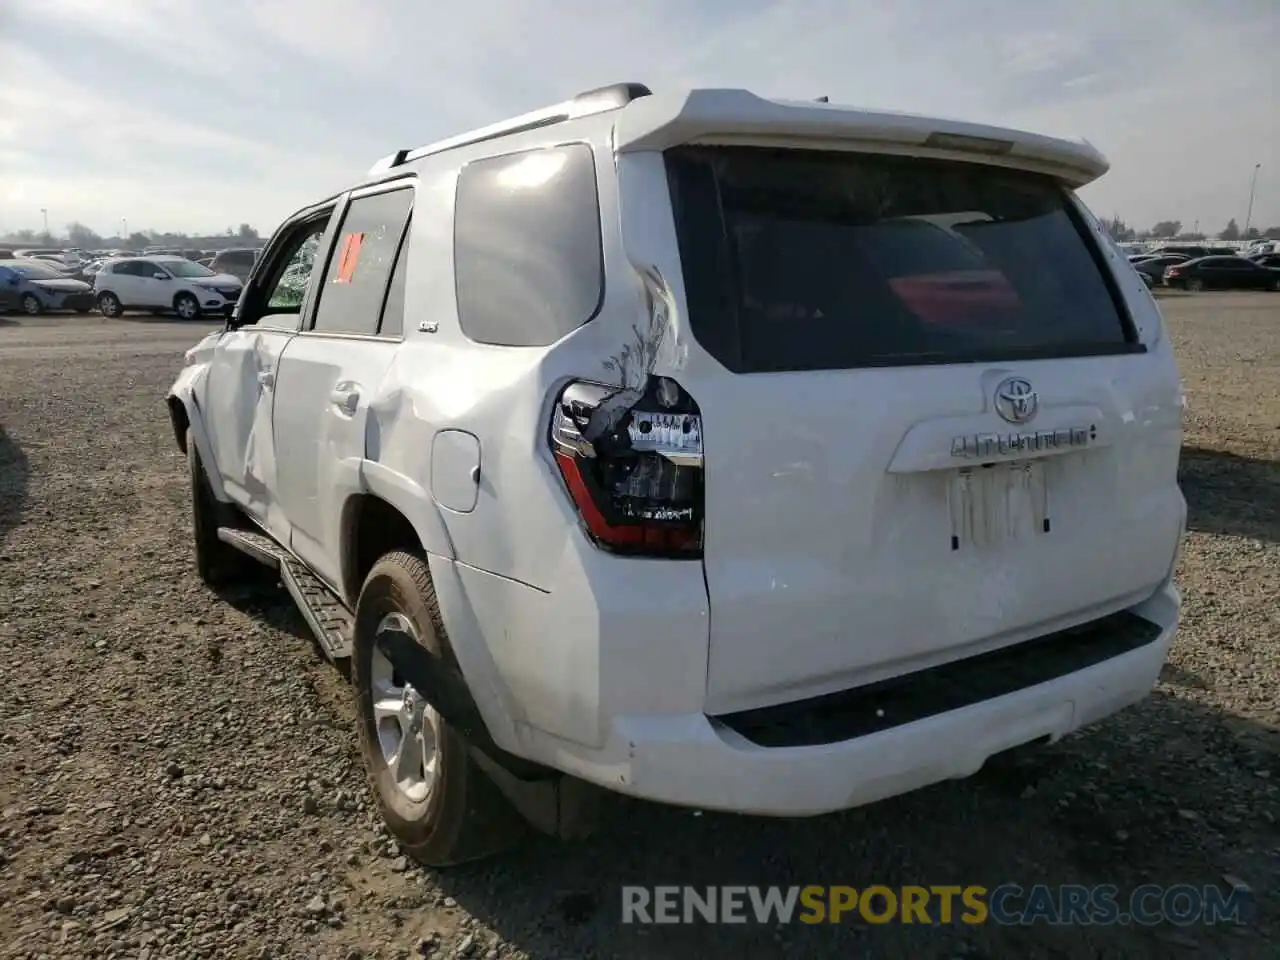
45, 213
124, 229
1252, 187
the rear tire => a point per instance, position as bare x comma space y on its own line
31, 306
456, 813
1195, 285
1275, 285
109, 305
186, 306
219, 564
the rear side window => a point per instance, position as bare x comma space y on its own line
527, 250
359, 269
802, 260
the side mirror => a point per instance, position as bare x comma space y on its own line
160, 276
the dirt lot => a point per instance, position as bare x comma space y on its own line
178, 773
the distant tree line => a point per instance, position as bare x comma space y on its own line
1166, 229
78, 235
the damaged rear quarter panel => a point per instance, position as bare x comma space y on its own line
568, 627
505, 395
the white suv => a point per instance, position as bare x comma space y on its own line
161, 283
763, 456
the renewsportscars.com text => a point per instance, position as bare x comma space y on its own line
1008, 904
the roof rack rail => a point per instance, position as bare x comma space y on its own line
617, 94
388, 162
613, 96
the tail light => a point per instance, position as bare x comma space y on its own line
632, 463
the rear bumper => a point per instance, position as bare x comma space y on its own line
692, 760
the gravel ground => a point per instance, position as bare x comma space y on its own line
178, 772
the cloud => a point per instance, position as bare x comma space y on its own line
186, 114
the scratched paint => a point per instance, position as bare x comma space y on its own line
652, 344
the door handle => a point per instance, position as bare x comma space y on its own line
345, 398
267, 379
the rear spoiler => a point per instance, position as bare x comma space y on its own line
740, 117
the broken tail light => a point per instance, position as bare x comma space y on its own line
632, 463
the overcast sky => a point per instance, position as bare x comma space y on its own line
195, 115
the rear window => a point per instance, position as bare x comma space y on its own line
802, 260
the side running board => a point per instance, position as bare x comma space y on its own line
326, 615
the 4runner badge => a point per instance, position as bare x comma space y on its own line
987, 445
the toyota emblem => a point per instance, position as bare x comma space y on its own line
1016, 402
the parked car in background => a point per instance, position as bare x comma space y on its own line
55, 259
71, 270
237, 262
1154, 267
35, 287
1133, 248
1190, 252
1266, 259
37, 252
1221, 273
162, 283
92, 268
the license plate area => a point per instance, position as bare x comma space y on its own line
998, 503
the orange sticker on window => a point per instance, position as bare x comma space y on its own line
348, 257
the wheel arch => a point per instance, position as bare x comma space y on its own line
371, 528
179, 420
374, 525
399, 500
184, 414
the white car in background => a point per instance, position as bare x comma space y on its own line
161, 283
